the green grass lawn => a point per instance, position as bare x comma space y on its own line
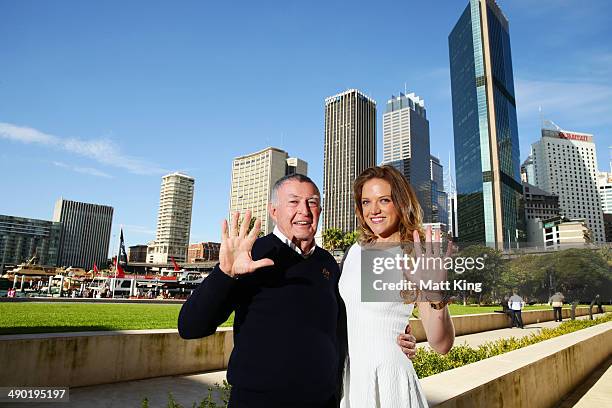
18, 318
473, 309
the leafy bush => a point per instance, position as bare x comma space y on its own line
427, 362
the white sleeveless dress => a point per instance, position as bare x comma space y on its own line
377, 373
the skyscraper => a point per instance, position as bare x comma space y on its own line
86, 230
173, 220
565, 165
406, 145
604, 182
538, 206
253, 177
439, 198
350, 148
487, 162
528, 171
24, 238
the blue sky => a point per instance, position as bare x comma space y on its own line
100, 99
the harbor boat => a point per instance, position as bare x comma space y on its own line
31, 269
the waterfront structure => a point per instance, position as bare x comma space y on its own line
253, 177
439, 198
349, 148
86, 231
487, 163
137, 253
173, 219
22, 239
406, 145
538, 206
565, 165
203, 251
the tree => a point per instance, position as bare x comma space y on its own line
349, 239
333, 239
251, 225
488, 276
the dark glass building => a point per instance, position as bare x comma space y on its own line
24, 238
487, 163
86, 230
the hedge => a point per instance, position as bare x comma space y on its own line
427, 362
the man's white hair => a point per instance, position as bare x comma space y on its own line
296, 176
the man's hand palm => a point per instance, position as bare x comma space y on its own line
235, 253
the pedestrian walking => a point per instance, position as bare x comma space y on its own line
516, 303
556, 301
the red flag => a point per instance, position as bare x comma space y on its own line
119, 272
96, 271
176, 266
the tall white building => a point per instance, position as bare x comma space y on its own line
565, 164
604, 184
253, 177
173, 220
350, 148
406, 145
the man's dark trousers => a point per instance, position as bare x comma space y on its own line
558, 315
517, 319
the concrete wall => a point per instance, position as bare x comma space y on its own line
536, 376
477, 323
89, 358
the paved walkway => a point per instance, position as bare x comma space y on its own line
187, 389
477, 339
599, 394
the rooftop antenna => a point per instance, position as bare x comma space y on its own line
405, 88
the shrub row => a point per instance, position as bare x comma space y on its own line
427, 362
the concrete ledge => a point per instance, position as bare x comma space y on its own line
534, 376
481, 322
90, 358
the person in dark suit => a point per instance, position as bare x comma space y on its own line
290, 322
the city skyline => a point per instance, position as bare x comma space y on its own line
98, 115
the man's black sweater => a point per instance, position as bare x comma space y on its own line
288, 337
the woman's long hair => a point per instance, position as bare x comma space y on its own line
404, 199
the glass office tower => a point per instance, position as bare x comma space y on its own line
487, 163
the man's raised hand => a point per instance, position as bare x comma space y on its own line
235, 253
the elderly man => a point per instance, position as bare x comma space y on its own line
290, 323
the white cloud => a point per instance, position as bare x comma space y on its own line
139, 229
104, 151
85, 170
575, 102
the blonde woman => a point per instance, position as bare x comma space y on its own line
377, 374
